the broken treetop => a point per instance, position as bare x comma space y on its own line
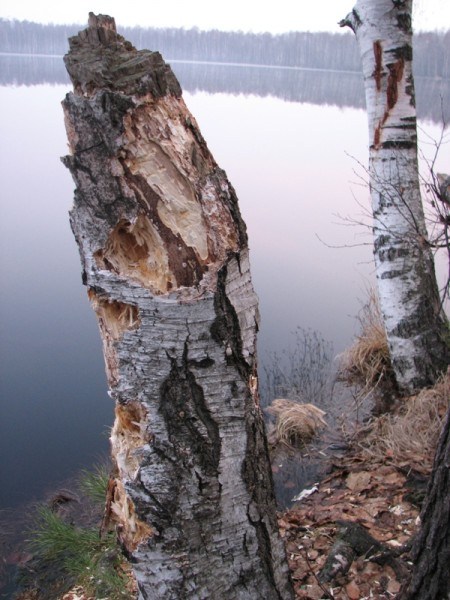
101, 58
157, 207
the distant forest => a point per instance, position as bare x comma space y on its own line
330, 51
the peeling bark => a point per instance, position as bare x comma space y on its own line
416, 327
165, 259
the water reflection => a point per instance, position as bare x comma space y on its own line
289, 166
54, 409
338, 88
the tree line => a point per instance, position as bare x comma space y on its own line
330, 51
312, 86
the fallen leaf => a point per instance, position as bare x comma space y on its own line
292, 547
358, 481
394, 477
322, 542
353, 591
299, 574
374, 506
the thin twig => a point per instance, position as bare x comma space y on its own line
328, 593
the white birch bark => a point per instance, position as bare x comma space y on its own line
165, 258
415, 325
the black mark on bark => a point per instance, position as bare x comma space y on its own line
225, 329
404, 22
190, 425
390, 254
398, 145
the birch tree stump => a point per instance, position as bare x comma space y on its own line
165, 258
416, 327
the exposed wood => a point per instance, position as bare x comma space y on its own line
416, 327
165, 259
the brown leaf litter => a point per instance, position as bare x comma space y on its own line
373, 498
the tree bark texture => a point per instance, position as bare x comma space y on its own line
409, 299
165, 258
431, 551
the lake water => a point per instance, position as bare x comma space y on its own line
291, 164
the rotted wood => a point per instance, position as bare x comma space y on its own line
165, 259
353, 541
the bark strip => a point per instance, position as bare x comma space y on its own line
165, 258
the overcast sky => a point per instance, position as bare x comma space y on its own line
243, 15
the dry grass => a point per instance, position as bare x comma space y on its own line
296, 424
367, 362
409, 436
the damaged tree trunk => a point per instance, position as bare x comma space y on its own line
416, 327
165, 259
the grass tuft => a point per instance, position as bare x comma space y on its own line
295, 424
94, 483
367, 362
79, 554
57, 541
66, 555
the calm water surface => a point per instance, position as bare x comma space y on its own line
292, 169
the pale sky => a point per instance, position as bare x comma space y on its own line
243, 15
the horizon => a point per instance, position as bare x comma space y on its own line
340, 30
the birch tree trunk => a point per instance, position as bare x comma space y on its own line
416, 327
165, 259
